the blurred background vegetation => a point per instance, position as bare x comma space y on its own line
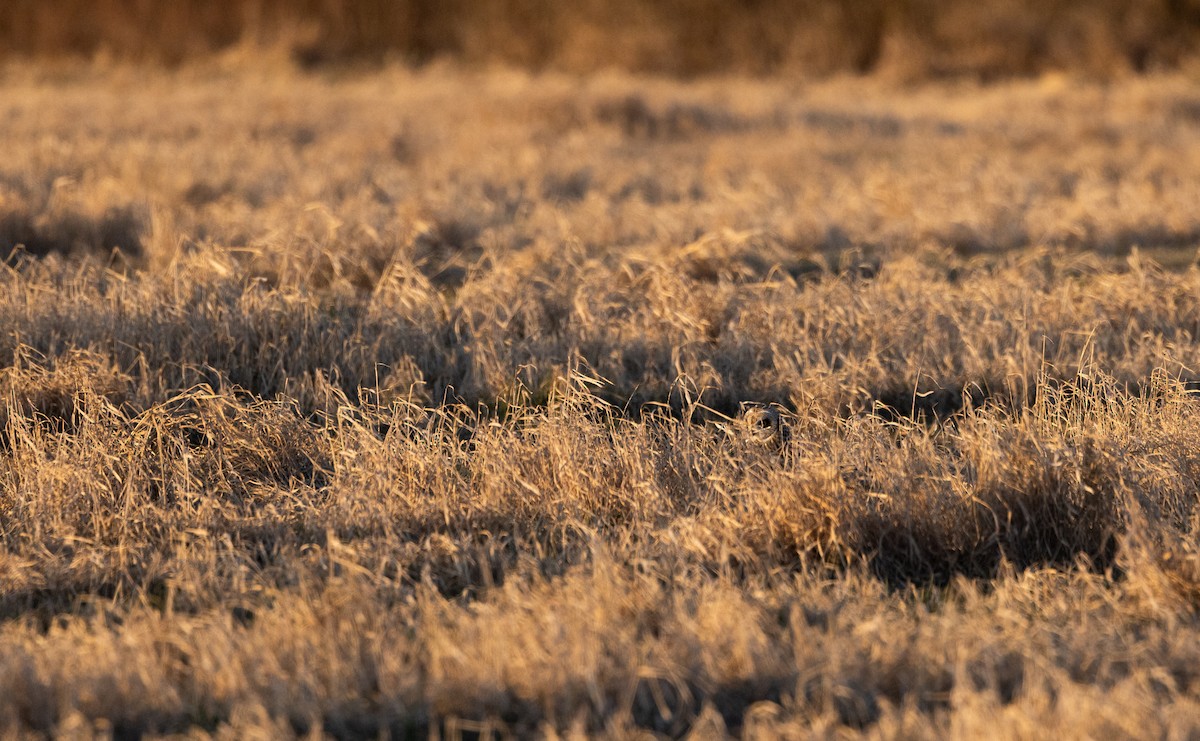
986, 39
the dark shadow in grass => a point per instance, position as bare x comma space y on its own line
947, 404
841, 123
671, 709
1047, 512
43, 606
1172, 248
1151, 235
931, 407
204, 192
116, 234
445, 252
709, 405
639, 119
1042, 534
350, 724
567, 187
732, 699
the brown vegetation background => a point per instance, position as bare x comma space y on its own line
911, 38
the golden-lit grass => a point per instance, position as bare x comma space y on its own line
455, 402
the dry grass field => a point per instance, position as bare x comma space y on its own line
467, 403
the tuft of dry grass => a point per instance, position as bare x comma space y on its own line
442, 402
